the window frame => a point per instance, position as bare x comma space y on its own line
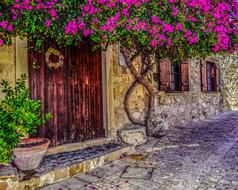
211, 76
214, 70
166, 73
173, 74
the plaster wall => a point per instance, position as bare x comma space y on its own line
13, 62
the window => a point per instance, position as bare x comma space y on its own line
210, 76
173, 77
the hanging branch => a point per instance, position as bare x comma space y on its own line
146, 60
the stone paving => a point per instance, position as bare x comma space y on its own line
198, 156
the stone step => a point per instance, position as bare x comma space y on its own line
133, 134
61, 166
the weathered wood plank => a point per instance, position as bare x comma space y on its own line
72, 93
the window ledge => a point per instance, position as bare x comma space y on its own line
212, 92
174, 93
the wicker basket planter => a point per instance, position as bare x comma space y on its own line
30, 152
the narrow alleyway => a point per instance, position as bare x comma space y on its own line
199, 156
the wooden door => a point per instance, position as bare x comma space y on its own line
72, 93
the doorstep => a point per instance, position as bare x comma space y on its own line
77, 146
61, 166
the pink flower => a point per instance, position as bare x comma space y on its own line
216, 48
53, 13
71, 27
27, 2
155, 19
161, 37
169, 42
179, 26
154, 43
126, 13
188, 33
47, 23
10, 28
171, 1
175, 11
194, 19
3, 24
81, 25
193, 40
86, 32
168, 28
1, 42
95, 20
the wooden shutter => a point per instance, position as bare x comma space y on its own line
203, 75
184, 76
164, 73
218, 79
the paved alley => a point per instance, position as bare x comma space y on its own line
198, 156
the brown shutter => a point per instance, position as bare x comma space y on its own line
218, 79
184, 76
203, 75
164, 72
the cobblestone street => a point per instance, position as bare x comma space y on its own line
198, 156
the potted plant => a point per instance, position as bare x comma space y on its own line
19, 117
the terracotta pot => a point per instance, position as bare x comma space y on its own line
30, 152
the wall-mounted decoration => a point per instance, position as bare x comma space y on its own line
122, 60
57, 55
35, 64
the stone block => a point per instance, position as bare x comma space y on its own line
61, 174
133, 135
76, 169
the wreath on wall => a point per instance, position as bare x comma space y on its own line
52, 64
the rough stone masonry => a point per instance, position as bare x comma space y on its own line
175, 109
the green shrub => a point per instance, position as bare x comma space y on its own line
19, 116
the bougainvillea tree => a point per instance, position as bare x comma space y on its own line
174, 29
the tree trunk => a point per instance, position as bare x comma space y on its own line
126, 103
149, 123
140, 78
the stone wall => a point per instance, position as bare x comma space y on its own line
175, 109
229, 66
171, 109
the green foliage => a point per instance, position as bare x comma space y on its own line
174, 29
19, 116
